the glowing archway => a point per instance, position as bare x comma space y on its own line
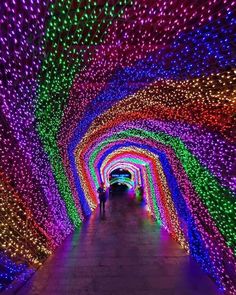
88, 86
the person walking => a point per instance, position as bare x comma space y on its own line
139, 193
102, 197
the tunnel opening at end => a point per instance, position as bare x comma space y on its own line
119, 189
120, 173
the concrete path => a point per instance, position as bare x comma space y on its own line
125, 253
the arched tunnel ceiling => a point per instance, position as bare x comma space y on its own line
89, 85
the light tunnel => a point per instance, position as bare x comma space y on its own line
87, 87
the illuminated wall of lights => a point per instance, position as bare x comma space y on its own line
90, 86
184, 204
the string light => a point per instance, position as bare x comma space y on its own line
87, 86
208, 222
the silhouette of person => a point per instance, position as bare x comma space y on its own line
110, 191
102, 197
139, 193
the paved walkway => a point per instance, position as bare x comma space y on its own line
125, 253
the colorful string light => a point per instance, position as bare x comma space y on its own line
87, 87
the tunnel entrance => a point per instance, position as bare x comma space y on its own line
120, 173
119, 189
120, 182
